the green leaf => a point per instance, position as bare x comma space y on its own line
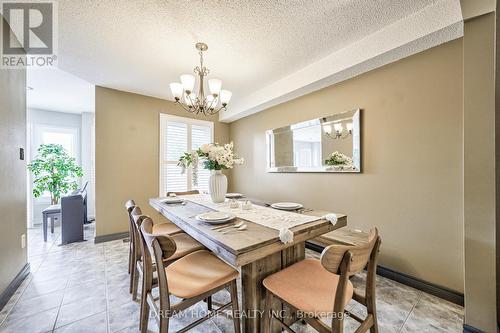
54, 170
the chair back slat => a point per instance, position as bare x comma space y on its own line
164, 246
360, 255
167, 244
136, 218
136, 213
147, 234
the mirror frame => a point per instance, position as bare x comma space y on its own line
312, 122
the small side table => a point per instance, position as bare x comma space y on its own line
52, 212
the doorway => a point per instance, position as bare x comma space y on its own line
60, 110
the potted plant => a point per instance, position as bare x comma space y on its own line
54, 171
215, 158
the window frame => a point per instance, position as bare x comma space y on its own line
164, 119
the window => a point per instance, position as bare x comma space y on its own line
177, 136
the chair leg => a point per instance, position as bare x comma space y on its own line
164, 323
144, 316
209, 303
371, 309
268, 320
45, 227
135, 284
130, 260
52, 225
133, 272
234, 306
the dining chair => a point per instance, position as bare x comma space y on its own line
183, 193
134, 245
192, 278
187, 244
318, 288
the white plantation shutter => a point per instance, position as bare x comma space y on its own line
177, 136
201, 135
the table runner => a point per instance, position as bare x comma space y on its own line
269, 217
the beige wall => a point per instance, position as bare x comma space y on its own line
474, 8
12, 173
479, 172
127, 153
411, 184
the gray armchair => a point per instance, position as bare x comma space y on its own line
73, 214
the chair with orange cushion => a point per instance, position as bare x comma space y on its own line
166, 228
319, 288
192, 278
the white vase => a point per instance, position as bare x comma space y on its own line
217, 186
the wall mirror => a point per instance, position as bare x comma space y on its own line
328, 144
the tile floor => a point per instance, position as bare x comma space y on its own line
83, 287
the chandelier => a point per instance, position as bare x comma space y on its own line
192, 102
338, 130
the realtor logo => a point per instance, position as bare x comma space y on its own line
28, 33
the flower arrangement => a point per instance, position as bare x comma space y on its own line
214, 156
338, 158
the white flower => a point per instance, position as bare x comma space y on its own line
205, 148
338, 158
223, 155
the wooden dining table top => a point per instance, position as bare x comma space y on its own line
239, 248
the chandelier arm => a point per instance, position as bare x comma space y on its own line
185, 108
211, 106
191, 100
215, 110
331, 136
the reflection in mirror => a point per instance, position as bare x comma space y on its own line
329, 144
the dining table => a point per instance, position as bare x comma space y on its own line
257, 251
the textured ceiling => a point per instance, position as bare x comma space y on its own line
433, 25
142, 46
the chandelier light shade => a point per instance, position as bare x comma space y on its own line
338, 130
225, 96
176, 89
199, 102
187, 81
215, 86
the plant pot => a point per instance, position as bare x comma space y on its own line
217, 186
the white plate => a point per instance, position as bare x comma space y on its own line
286, 205
171, 200
229, 218
214, 216
233, 195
